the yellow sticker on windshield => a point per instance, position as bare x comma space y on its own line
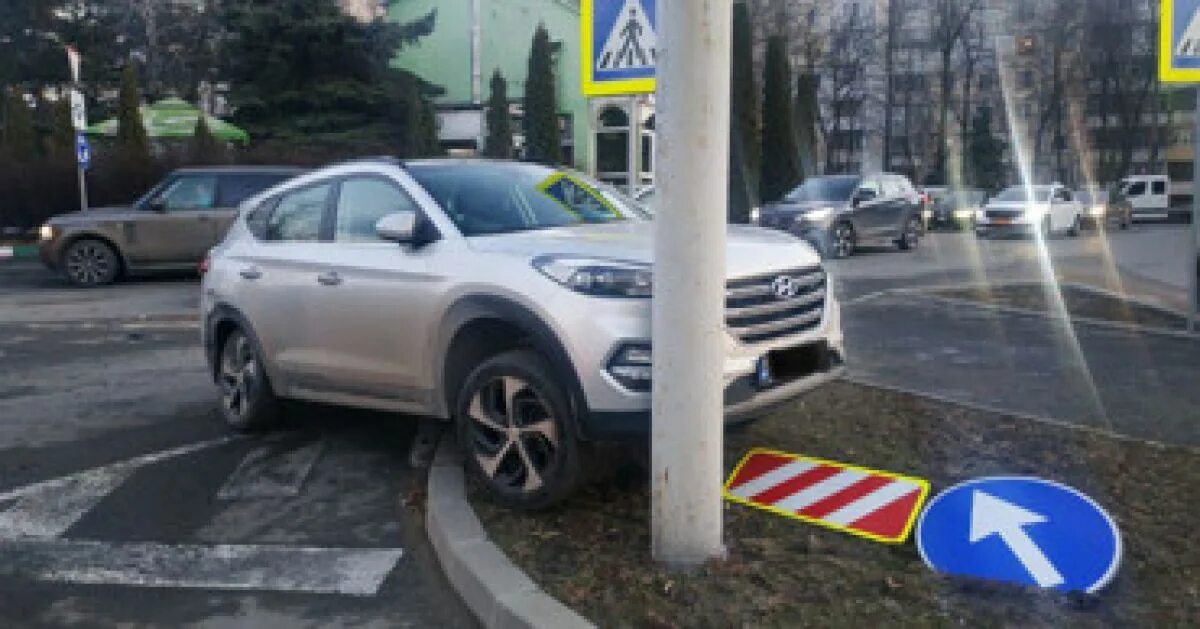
576, 197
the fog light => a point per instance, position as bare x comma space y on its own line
630, 366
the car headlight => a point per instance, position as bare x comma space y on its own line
817, 215
963, 215
599, 277
46, 232
1096, 210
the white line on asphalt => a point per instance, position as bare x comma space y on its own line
770, 479
1099, 323
352, 572
47, 509
272, 472
821, 490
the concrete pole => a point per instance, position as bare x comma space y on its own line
689, 280
1193, 260
633, 168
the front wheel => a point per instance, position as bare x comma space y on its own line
911, 235
844, 240
518, 431
247, 401
89, 263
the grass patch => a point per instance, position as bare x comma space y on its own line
1079, 302
593, 552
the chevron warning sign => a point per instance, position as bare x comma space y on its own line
879, 506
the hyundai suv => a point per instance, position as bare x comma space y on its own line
512, 298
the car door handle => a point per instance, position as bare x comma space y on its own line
251, 273
329, 279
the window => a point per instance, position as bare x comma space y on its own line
190, 193
238, 188
298, 215
1136, 189
362, 202
1158, 187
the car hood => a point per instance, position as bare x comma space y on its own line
95, 214
749, 250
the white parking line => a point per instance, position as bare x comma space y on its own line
352, 572
271, 472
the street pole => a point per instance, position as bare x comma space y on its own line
689, 280
634, 165
1193, 261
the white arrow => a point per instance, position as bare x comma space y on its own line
993, 516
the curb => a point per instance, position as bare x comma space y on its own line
497, 591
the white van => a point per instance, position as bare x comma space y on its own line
1150, 195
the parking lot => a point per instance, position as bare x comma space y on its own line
124, 500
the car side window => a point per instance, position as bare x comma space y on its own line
362, 202
298, 215
238, 188
1158, 187
190, 192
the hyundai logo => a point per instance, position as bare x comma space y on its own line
785, 287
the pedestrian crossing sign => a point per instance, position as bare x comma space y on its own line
619, 46
1179, 42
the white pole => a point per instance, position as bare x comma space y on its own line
689, 280
633, 169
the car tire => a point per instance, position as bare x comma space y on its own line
843, 241
88, 263
518, 431
911, 236
248, 403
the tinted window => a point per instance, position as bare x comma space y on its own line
362, 202
824, 189
238, 188
1159, 187
482, 198
190, 192
298, 215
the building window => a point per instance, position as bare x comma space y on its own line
1026, 79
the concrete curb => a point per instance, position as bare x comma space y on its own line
497, 592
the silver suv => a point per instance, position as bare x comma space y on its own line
512, 298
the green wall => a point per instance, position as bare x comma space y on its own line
507, 26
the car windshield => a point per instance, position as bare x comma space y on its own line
823, 189
1020, 194
488, 198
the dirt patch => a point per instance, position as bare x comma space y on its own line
1079, 302
593, 552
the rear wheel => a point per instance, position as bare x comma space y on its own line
89, 262
518, 430
247, 401
911, 235
844, 240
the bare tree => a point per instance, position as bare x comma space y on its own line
850, 51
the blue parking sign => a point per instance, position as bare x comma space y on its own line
83, 151
1179, 41
1020, 530
619, 46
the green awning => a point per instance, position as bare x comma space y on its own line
174, 118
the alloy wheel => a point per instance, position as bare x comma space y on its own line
843, 241
89, 263
513, 435
239, 377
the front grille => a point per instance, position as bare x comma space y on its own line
755, 313
1004, 213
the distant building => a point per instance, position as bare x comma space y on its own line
472, 39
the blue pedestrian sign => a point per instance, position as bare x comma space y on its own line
619, 46
1020, 530
1179, 41
83, 151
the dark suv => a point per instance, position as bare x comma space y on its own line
838, 213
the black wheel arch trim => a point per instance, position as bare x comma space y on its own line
225, 313
474, 308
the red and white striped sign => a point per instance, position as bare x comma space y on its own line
880, 506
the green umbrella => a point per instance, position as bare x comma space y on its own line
174, 118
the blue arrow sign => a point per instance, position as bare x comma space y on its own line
1021, 530
620, 46
83, 151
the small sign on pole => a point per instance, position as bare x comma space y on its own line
619, 46
1179, 62
83, 151
78, 110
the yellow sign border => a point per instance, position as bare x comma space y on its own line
901, 538
1167, 73
592, 87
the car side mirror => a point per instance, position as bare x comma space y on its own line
862, 196
400, 227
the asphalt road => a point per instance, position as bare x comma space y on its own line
124, 501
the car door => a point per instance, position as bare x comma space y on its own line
276, 282
174, 227
868, 215
374, 298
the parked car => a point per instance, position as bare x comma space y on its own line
170, 228
954, 208
1047, 210
647, 197
1101, 208
511, 297
1149, 195
839, 213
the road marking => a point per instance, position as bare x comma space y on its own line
995, 516
351, 572
271, 472
46, 510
